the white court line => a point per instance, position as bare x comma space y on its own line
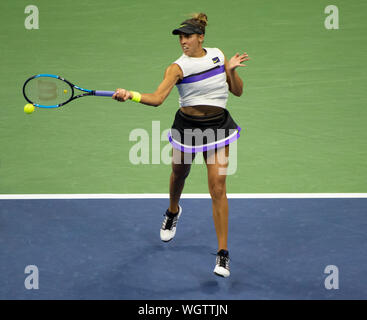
184, 196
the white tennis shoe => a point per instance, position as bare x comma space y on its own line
168, 229
222, 264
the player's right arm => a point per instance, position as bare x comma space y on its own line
172, 74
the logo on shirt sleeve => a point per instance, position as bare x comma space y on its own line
215, 60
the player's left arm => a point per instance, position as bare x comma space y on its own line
235, 83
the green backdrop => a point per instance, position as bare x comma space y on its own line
303, 111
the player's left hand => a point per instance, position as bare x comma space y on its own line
236, 61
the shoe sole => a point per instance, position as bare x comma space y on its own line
220, 275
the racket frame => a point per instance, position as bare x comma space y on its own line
87, 92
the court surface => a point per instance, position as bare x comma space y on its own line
110, 249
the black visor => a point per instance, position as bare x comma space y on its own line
187, 28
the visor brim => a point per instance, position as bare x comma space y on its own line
187, 29
183, 30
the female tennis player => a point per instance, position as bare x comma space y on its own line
203, 77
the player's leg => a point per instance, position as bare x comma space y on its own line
217, 164
181, 165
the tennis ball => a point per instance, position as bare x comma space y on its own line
28, 108
65, 91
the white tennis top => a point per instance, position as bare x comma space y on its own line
204, 80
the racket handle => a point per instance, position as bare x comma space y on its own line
104, 93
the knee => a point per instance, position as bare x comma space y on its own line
180, 173
217, 191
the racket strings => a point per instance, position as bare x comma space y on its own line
48, 91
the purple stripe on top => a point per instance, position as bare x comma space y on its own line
205, 75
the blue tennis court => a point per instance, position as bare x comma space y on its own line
110, 249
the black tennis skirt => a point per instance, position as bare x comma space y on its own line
202, 133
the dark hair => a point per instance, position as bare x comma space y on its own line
198, 19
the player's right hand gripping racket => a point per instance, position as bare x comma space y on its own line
51, 91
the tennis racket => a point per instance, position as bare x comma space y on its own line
51, 91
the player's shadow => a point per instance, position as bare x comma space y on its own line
209, 287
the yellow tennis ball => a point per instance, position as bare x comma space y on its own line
28, 108
65, 91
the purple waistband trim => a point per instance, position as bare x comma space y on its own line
202, 76
203, 148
